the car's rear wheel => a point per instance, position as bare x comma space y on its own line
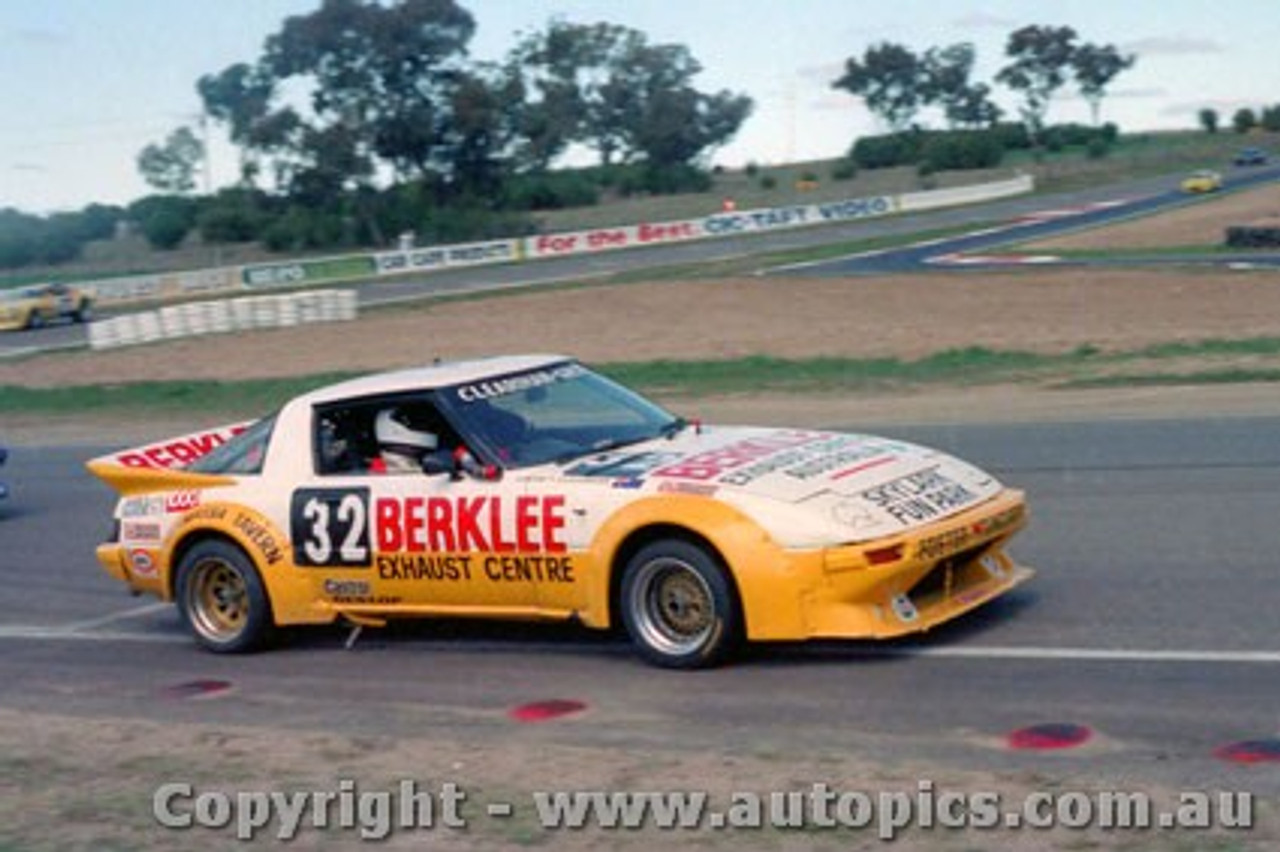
83, 314
678, 606
222, 599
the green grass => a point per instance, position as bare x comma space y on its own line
1085, 366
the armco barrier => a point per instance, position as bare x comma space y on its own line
915, 201
225, 315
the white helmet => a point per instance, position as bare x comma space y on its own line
390, 428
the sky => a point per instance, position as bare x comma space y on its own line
85, 85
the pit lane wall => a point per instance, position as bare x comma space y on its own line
307, 273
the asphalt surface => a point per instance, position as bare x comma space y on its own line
1152, 621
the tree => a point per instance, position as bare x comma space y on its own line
1095, 67
606, 87
1244, 120
1042, 57
240, 97
171, 167
379, 83
1270, 119
945, 81
891, 81
1209, 120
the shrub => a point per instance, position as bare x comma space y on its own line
844, 169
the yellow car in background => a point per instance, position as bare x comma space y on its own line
1202, 181
41, 304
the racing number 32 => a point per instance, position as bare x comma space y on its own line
330, 526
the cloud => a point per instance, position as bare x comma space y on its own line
1173, 46
984, 21
34, 36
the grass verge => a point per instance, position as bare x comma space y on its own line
1204, 362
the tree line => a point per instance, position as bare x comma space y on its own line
361, 120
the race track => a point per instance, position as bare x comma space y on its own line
1023, 218
1151, 621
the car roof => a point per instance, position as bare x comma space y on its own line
438, 375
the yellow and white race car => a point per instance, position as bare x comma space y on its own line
531, 487
40, 304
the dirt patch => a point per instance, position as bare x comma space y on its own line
905, 316
1203, 221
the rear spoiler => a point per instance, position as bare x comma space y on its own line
161, 466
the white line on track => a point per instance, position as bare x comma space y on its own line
136, 612
1117, 655
61, 634
962, 652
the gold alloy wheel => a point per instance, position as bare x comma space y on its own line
217, 599
673, 606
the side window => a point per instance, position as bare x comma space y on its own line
399, 434
243, 454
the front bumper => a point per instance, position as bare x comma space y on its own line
905, 584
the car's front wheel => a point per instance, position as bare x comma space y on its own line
221, 598
678, 606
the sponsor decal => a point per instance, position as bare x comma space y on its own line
919, 496
904, 609
140, 531
181, 501
346, 588
259, 536
465, 568
518, 383
204, 513
697, 489
627, 467
142, 507
952, 541
346, 527
141, 562
523, 524
178, 452
713, 463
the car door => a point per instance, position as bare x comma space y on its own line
435, 538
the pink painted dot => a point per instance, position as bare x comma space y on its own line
541, 711
195, 689
1250, 751
1054, 735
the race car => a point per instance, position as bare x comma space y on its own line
539, 488
40, 304
1202, 181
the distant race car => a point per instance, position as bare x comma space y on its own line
1250, 157
4, 457
539, 489
40, 304
1202, 181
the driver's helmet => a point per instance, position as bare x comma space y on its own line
393, 432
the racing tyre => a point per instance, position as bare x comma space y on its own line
83, 314
221, 598
678, 606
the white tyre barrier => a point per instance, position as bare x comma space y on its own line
246, 313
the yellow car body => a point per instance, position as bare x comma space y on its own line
692, 537
40, 304
1202, 181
